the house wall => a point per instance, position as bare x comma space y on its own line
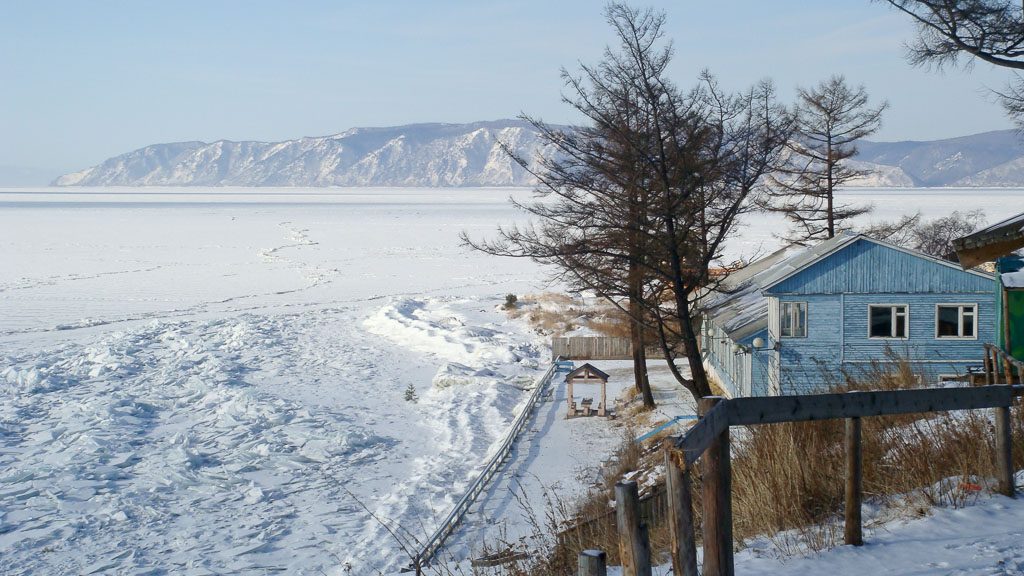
732, 369
864, 267
838, 290
810, 364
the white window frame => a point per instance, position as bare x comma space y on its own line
959, 320
946, 378
892, 325
782, 333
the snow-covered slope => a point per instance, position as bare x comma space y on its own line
985, 159
471, 155
413, 155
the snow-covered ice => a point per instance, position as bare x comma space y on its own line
217, 384
210, 381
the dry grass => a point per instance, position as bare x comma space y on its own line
788, 478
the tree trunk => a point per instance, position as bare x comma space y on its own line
700, 377
636, 334
682, 301
830, 168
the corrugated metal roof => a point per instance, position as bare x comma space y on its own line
739, 308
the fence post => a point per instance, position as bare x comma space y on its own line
680, 515
853, 533
988, 367
592, 563
718, 560
634, 550
1004, 452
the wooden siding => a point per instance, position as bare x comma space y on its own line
592, 348
838, 339
864, 267
731, 368
810, 364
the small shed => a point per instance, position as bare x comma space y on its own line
587, 374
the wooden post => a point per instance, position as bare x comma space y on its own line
1004, 452
853, 533
718, 560
634, 550
988, 367
680, 514
1008, 368
592, 563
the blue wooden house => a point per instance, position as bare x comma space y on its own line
804, 317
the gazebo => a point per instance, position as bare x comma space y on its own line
587, 374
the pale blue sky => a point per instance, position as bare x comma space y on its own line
83, 81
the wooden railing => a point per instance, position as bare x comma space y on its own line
708, 441
996, 360
433, 544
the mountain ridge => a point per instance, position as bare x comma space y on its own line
471, 154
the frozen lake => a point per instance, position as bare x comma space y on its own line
210, 381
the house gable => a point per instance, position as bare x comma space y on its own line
866, 266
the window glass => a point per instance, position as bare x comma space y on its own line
888, 322
968, 322
948, 321
955, 320
881, 322
794, 319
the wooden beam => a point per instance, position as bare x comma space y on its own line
853, 533
680, 516
634, 550
1004, 452
988, 367
697, 439
717, 488
768, 410
979, 254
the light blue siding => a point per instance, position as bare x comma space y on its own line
864, 267
838, 290
806, 364
838, 344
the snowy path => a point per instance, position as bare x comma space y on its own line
557, 458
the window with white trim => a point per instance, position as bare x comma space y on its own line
793, 319
956, 321
888, 321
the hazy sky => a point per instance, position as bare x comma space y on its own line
83, 81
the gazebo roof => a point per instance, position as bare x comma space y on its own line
587, 369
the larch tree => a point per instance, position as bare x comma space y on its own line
638, 203
990, 31
830, 118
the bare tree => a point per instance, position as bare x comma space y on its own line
934, 237
638, 203
988, 30
830, 118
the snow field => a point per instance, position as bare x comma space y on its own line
205, 382
184, 445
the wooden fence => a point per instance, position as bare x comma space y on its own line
600, 348
433, 544
708, 441
592, 348
998, 360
